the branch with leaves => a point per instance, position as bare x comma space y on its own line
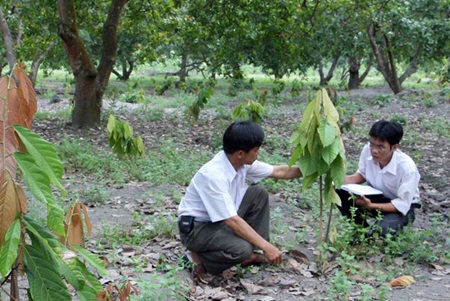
320, 152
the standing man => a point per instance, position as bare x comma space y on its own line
384, 167
222, 219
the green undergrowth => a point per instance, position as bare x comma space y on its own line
378, 259
167, 163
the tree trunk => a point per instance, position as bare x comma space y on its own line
324, 80
353, 69
385, 65
7, 38
126, 72
37, 62
355, 79
366, 72
90, 83
183, 68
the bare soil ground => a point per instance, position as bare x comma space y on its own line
297, 278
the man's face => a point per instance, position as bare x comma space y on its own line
381, 151
250, 156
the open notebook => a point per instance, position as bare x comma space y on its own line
359, 189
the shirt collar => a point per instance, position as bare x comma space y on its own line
229, 169
392, 165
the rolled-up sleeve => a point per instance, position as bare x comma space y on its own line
406, 192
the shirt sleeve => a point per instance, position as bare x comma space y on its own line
406, 192
258, 171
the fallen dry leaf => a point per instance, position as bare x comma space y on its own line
253, 288
402, 281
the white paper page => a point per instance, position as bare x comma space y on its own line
361, 189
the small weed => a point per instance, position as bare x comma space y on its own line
94, 194
165, 285
278, 87
402, 119
428, 100
382, 100
340, 286
152, 114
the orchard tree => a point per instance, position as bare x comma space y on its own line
29, 34
90, 80
405, 34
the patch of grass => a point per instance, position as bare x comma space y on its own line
382, 100
165, 284
412, 246
93, 194
103, 165
170, 163
61, 117
143, 229
402, 119
148, 114
429, 101
173, 163
437, 125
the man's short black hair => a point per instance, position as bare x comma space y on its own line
242, 135
390, 131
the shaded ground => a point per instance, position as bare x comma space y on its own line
297, 278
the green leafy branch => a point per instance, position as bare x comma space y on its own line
320, 152
121, 140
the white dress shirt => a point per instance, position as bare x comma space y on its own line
217, 189
398, 180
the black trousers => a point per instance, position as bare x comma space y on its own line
389, 222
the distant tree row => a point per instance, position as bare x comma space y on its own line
95, 39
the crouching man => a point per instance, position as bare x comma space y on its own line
223, 220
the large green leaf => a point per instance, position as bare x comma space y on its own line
43, 277
309, 180
295, 155
308, 117
338, 171
55, 217
10, 248
327, 133
313, 137
330, 195
84, 274
331, 152
295, 137
307, 164
37, 181
330, 112
44, 154
37, 231
77, 275
39, 185
92, 259
322, 166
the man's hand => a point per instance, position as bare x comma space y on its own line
242, 229
273, 255
364, 202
